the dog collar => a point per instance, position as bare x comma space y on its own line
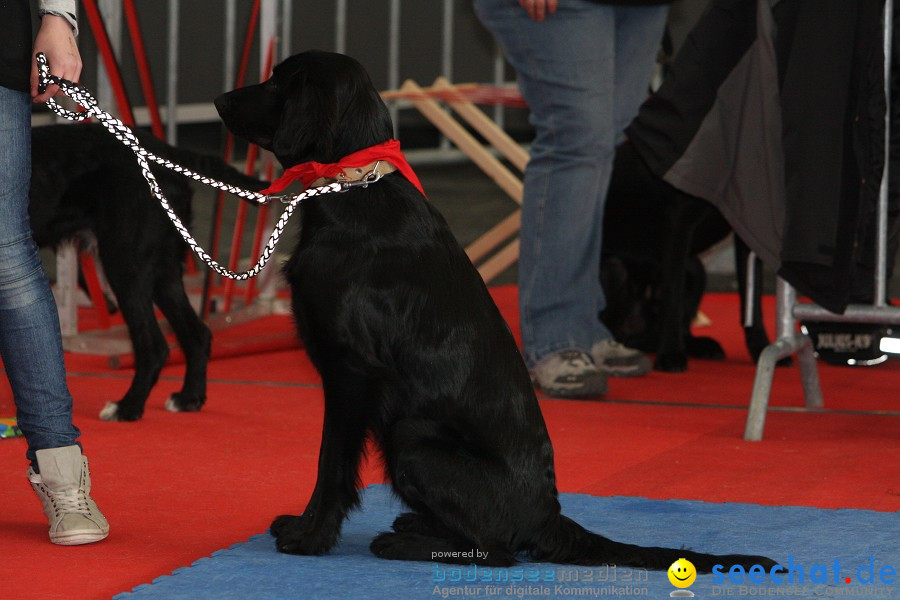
374, 170
308, 173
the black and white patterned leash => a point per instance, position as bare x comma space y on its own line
124, 134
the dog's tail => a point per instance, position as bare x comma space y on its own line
571, 543
203, 164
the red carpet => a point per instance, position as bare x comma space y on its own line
177, 487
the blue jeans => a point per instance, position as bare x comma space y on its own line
584, 72
30, 341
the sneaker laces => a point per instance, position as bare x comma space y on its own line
576, 360
68, 502
612, 345
613, 349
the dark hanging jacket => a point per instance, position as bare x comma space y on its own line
15, 47
774, 112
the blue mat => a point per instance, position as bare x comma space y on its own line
864, 545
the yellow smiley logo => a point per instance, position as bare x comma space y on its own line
682, 573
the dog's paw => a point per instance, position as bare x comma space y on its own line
113, 411
671, 363
705, 348
293, 536
284, 523
412, 523
386, 545
403, 546
109, 412
178, 402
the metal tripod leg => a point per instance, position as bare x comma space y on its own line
787, 343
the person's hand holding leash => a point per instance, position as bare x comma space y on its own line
55, 39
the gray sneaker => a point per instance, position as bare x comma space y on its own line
64, 487
617, 360
569, 374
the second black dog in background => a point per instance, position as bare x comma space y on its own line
86, 184
652, 274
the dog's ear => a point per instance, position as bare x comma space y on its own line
365, 119
306, 129
331, 109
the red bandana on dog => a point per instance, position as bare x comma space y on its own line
308, 172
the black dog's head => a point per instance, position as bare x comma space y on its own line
317, 106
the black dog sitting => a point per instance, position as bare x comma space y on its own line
85, 182
652, 276
411, 349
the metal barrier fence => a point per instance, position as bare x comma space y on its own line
269, 29
194, 47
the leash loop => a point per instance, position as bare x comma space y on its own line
125, 135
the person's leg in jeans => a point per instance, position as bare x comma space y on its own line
30, 341
31, 345
566, 68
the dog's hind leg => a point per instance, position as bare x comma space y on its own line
343, 436
459, 492
417, 537
416, 546
193, 336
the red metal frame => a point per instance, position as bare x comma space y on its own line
237, 237
143, 66
258, 234
109, 61
229, 149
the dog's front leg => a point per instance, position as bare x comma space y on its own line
317, 530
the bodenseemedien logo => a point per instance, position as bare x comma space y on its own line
682, 574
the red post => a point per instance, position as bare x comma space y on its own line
140, 55
229, 148
109, 61
252, 154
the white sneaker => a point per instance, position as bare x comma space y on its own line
569, 374
64, 487
617, 360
